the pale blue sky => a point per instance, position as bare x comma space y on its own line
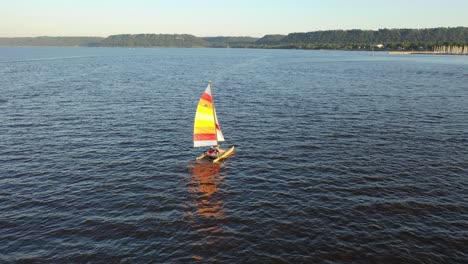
220, 18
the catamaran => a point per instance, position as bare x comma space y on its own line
206, 129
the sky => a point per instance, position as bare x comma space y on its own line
256, 18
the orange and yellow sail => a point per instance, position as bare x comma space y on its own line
206, 129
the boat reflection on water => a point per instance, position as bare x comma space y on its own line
204, 187
205, 209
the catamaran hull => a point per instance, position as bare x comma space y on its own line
225, 155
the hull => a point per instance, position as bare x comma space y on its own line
222, 157
225, 155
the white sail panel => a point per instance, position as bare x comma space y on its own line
204, 143
219, 133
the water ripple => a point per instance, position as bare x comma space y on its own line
341, 157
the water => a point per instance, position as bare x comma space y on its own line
342, 157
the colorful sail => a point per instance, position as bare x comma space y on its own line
206, 130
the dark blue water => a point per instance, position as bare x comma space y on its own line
342, 157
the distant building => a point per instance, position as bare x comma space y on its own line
380, 46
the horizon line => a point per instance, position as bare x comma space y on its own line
214, 36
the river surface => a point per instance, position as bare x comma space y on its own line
342, 157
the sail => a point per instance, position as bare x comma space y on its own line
206, 130
219, 134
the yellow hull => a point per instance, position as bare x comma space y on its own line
225, 155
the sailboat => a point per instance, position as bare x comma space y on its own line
206, 129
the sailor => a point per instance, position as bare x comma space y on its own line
213, 152
216, 150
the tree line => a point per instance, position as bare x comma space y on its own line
356, 39
51, 41
367, 39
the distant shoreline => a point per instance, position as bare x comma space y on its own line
394, 41
425, 53
390, 52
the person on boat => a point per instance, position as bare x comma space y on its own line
213, 152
